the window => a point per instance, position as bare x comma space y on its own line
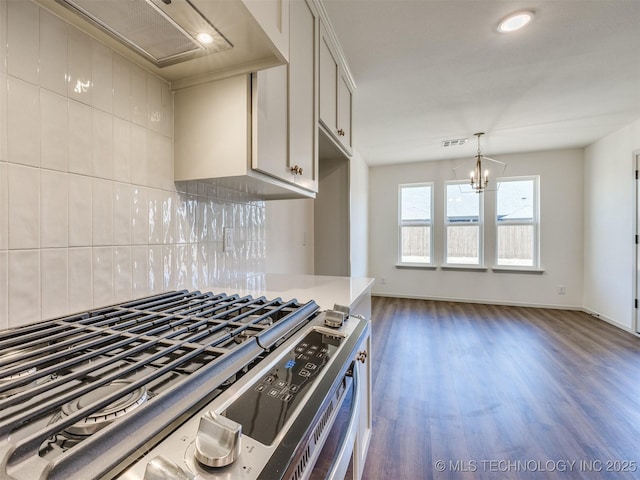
463, 225
517, 222
415, 225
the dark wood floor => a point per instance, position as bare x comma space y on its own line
479, 391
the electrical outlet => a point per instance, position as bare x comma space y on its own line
561, 290
227, 244
383, 281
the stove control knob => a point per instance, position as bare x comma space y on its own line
162, 469
333, 319
218, 440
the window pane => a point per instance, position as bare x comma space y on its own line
416, 203
515, 200
462, 244
462, 204
416, 244
515, 245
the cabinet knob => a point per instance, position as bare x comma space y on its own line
341, 132
362, 356
296, 170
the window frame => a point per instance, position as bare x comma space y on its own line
479, 224
416, 223
535, 223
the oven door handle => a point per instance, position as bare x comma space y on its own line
341, 461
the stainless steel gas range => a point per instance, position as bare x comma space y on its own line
182, 385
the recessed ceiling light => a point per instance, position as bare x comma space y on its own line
205, 38
515, 21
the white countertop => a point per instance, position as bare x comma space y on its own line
325, 290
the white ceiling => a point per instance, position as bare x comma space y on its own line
430, 70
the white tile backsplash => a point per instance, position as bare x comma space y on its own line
138, 155
53, 53
139, 271
138, 96
24, 287
155, 203
80, 66
54, 209
155, 269
102, 142
3, 115
89, 211
80, 211
24, 207
122, 199
101, 77
4, 207
80, 138
122, 276
54, 131
3, 36
102, 212
154, 103
23, 122
4, 289
121, 87
139, 216
80, 275
103, 292
23, 42
121, 150
55, 287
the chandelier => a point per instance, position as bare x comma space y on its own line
479, 180
479, 183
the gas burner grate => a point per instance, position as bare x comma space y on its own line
151, 360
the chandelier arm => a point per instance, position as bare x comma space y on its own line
493, 160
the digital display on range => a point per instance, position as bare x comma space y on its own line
268, 404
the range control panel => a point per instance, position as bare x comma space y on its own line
265, 408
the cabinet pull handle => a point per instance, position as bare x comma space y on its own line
362, 356
296, 170
341, 132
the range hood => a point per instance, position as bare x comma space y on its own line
164, 32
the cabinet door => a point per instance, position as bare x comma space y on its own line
303, 94
328, 83
270, 122
344, 113
363, 437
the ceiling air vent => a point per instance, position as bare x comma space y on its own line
454, 142
165, 32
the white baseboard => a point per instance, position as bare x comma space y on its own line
608, 320
480, 301
592, 313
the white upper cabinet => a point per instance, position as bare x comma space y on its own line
217, 135
336, 90
273, 17
282, 115
328, 83
286, 107
303, 92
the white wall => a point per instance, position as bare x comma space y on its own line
289, 236
332, 218
359, 222
609, 226
561, 213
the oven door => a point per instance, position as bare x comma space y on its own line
334, 459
